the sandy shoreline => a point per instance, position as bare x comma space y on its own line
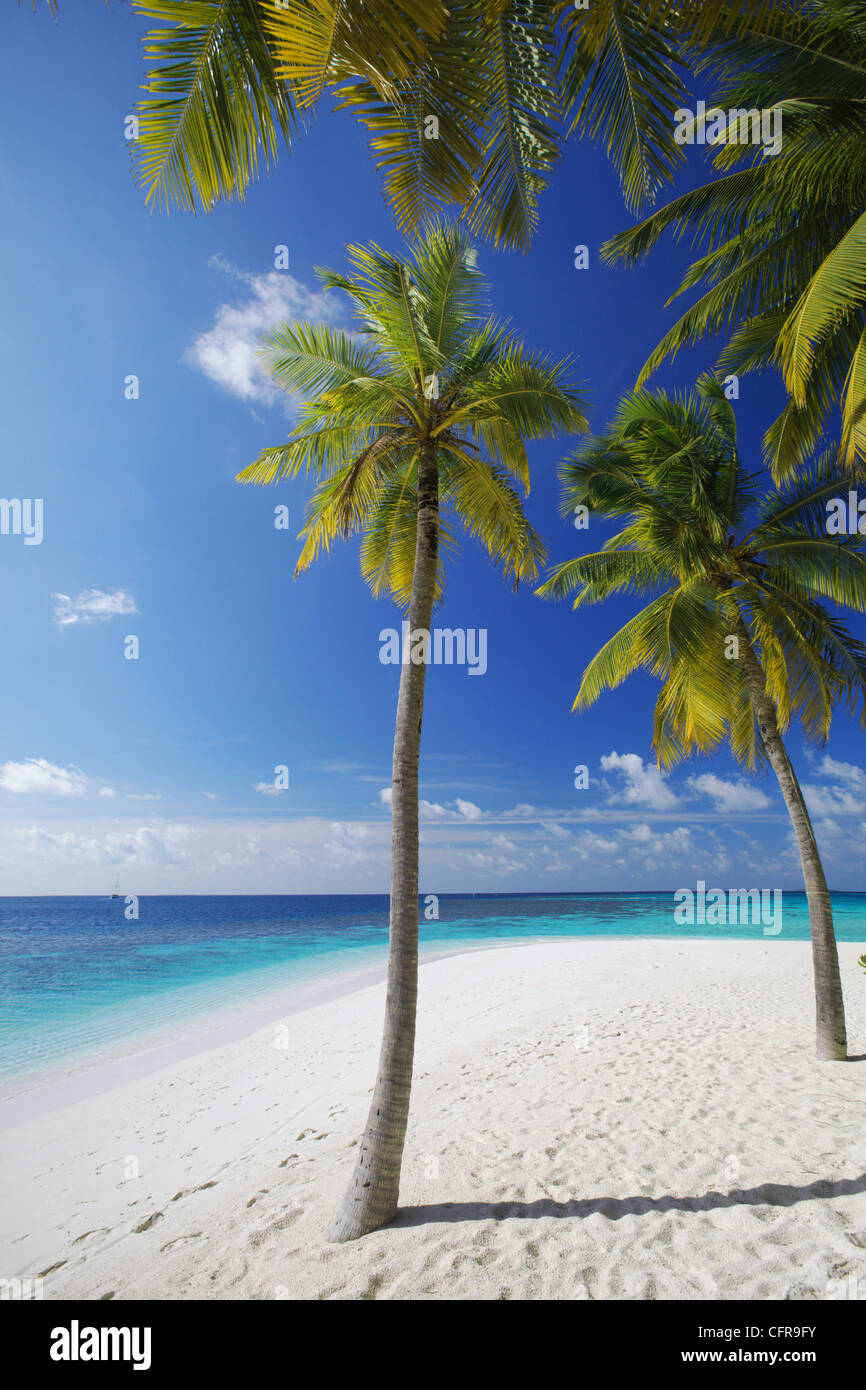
81, 1076
591, 1118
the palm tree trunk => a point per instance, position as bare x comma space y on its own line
831, 1037
371, 1198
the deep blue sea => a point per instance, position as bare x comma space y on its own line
78, 979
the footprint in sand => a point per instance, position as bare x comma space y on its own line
179, 1240
89, 1235
146, 1225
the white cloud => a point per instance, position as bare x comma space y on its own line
643, 785
37, 777
434, 810
145, 845
108, 791
555, 829
729, 796
344, 848
843, 772
228, 352
268, 789
588, 845
641, 834
833, 801
668, 846
75, 853
92, 606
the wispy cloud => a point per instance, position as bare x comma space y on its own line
228, 353
92, 606
268, 789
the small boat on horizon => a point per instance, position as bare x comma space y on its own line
115, 893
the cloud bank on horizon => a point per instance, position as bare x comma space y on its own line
608, 843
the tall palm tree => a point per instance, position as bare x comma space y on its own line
783, 269
417, 421
737, 629
467, 101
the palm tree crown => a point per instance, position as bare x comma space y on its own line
720, 563
426, 366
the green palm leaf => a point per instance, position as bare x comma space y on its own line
669, 472
215, 105
427, 370
836, 290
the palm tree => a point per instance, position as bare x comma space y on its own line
737, 629
783, 274
418, 420
467, 102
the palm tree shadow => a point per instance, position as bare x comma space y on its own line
614, 1208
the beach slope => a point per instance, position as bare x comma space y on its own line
591, 1119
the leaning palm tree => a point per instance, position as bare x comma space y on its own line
737, 629
417, 420
783, 238
467, 102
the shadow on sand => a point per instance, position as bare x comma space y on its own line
614, 1208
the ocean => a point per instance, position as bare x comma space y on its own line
81, 982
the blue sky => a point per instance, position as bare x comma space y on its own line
161, 769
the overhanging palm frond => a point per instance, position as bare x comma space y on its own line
622, 82
521, 109
215, 105
836, 290
854, 404
316, 41
784, 239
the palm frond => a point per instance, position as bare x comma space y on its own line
215, 105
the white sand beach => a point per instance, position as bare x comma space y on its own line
591, 1119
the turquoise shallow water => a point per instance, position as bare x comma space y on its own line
78, 979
